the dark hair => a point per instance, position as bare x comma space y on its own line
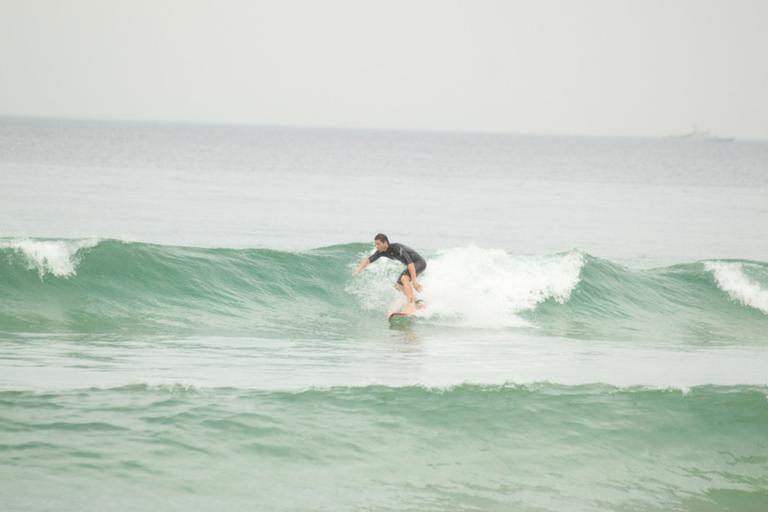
381, 237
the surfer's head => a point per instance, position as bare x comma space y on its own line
381, 241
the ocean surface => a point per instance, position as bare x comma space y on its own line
180, 329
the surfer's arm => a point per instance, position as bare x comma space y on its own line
360, 267
370, 259
412, 271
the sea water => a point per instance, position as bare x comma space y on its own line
180, 330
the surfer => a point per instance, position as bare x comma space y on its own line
414, 263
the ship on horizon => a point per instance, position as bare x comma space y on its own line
697, 135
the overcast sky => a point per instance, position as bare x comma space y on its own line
575, 67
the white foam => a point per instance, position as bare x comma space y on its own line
55, 257
476, 287
730, 277
374, 288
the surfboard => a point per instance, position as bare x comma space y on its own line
400, 316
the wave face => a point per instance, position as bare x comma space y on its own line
541, 447
111, 286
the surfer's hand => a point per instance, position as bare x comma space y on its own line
417, 285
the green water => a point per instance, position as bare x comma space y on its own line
541, 447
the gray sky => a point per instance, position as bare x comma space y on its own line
579, 67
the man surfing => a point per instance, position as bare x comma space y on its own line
414, 263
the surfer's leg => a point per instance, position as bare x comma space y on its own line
407, 289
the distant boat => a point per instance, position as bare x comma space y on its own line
699, 136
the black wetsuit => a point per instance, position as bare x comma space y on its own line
405, 255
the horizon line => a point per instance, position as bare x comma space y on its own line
33, 117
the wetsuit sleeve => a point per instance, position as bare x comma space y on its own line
406, 256
373, 257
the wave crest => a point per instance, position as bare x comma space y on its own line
56, 257
732, 279
489, 288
